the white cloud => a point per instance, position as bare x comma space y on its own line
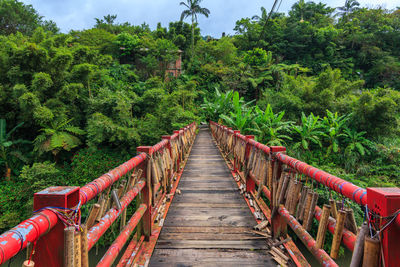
80, 14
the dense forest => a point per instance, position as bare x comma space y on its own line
322, 81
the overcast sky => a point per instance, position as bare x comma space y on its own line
80, 14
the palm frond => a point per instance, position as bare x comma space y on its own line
185, 14
2, 130
14, 129
74, 130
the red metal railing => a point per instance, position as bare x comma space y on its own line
45, 229
384, 203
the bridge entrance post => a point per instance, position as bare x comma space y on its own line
235, 164
250, 184
385, 202
49, 249
147, 192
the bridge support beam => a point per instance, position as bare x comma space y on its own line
147, 192
49, 249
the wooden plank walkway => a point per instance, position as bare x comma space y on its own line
209, 223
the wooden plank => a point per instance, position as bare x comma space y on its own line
210, 236
208, 205
209, 229
223, 220
212, 244
208, 198
209, 223
209, 212
209, 256
218, 192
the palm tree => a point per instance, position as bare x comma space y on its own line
6, 147
58, 136
349, 6
193, 8
301, 7
263, 18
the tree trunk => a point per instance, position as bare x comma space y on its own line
8, 174
192, 36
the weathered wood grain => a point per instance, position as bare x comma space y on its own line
209, 223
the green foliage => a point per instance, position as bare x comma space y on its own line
271, 127
357, 146
127, 43
375, 112
88, 164
308, 132
40, 176
257, 57
17, 17
269, 79
57, 136
240, 117
41, 83
220, 104
334, 125
8, 151
193, 9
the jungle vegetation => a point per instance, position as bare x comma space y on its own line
322, 81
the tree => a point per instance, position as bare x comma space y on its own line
6, 147
349, 6
16, 17
193, 8
58, 136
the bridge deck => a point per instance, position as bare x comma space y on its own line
209, 223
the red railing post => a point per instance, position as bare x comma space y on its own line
170, 171
49, 249
235, 163
250, 185
178, 160
147, 193
385, 202
279, 225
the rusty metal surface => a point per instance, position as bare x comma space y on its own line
206, 223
